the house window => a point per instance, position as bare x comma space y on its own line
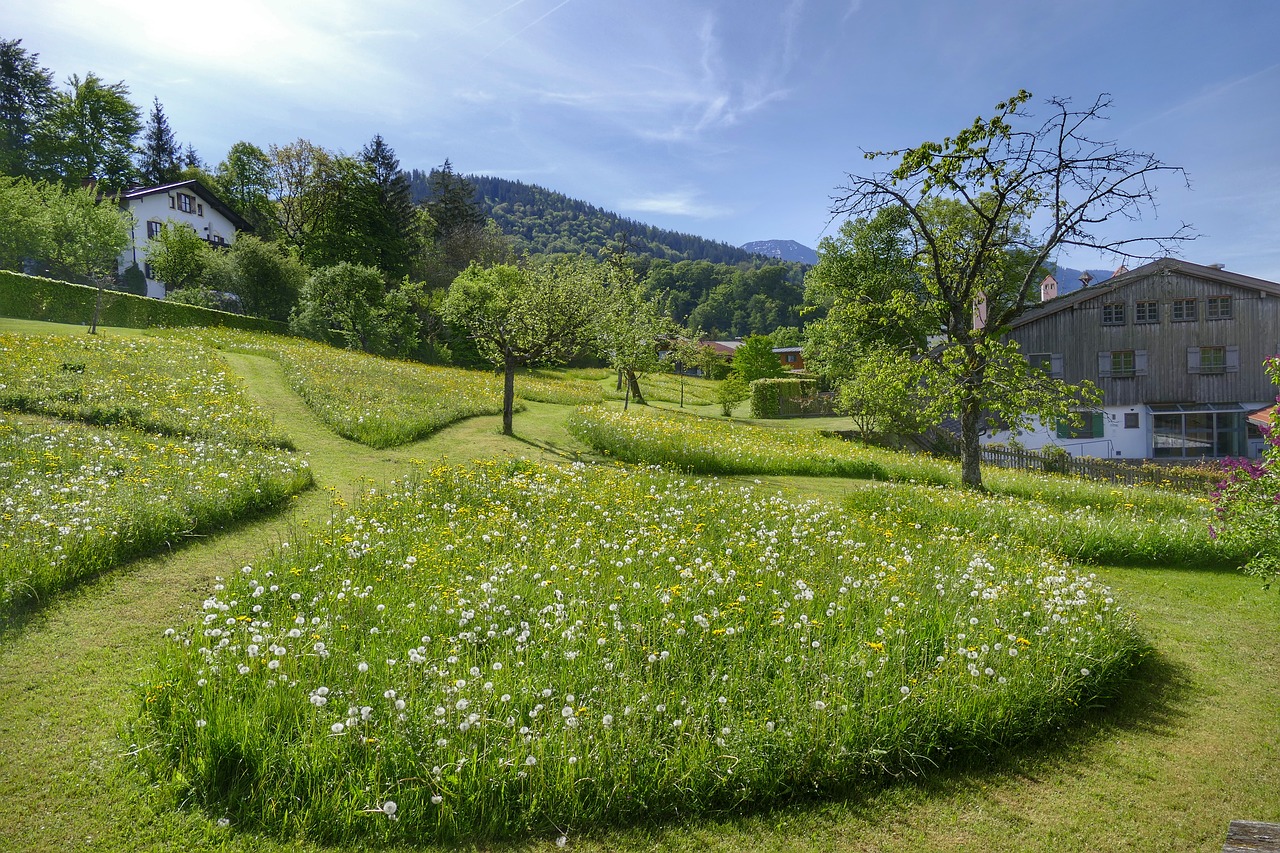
791, 357
1092, 425
199, 210
1146, 312
1131, 420
1049, 362
1123, 363
1113, 314
146, 270
1189, 435
1217, 308
1213, 360
184, 202
153, 229
1183, 310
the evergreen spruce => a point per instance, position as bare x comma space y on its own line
160, 156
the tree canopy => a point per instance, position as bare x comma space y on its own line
986, 210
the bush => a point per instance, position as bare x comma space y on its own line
783, 398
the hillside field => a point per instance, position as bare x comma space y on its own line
447, 636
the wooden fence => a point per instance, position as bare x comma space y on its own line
1199, 479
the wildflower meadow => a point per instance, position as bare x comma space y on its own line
165, 386
386, 403
75, 500
493, 650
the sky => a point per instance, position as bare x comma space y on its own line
735, 121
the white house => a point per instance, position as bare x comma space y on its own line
188, 203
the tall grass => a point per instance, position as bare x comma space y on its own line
75, 501
169, 387
383, 403
500, 650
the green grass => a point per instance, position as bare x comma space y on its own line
76, 501
386, 403
1193, 742
508, 649
169, 387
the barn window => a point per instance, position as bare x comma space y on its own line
1146, 312
1217, 308
1113, 314
1182, 310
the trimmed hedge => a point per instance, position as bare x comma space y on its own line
27, 297
787, 398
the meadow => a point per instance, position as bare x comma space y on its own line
76, 501
387, 403
502, 649
167, 387
521, 654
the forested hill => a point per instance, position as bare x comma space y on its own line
547, 222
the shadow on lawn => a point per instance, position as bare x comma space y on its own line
1151, 703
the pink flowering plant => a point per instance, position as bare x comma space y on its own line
1247, 502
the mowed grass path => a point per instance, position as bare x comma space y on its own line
1196, 743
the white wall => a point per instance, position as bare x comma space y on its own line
202, 218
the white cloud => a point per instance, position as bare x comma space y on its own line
677, 203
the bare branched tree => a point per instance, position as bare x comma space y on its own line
987, 210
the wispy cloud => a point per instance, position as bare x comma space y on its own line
676, 203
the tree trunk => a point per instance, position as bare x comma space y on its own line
508, 393
633, 383
970, 449
97, 307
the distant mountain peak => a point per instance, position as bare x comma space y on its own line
786, 250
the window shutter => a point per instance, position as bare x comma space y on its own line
1104, 363
1193, 359
1064, 429
1233, 360
1099, 425
1140, 362
1055, 365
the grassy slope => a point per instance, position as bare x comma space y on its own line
1195, 744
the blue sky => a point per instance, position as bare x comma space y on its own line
731, 120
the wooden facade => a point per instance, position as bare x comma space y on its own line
1165, 314
1178, 351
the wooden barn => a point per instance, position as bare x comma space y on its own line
1178, 350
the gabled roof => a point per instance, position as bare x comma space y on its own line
196, 188
1123, 279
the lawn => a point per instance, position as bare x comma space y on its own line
1190, 740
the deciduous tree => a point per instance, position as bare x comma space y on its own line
986, 210
755, 359
540, 313
87, 134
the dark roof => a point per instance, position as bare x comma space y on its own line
194, 186
1120, 280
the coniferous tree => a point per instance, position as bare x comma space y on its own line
393, 220
160, 156
26, 95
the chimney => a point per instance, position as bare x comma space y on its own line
1217, 266
1048, 288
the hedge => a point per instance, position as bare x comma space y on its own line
27, 297
787, 398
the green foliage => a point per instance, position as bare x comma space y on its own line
24, 221
178, 256
159, 155
542, 313
985, 210
755, 359
731, 391
267, 278
245, 180
1247, 502
26, 95
32, 298
630, 329
87, 135
884, 393
785, 398
348, 303
133, 280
